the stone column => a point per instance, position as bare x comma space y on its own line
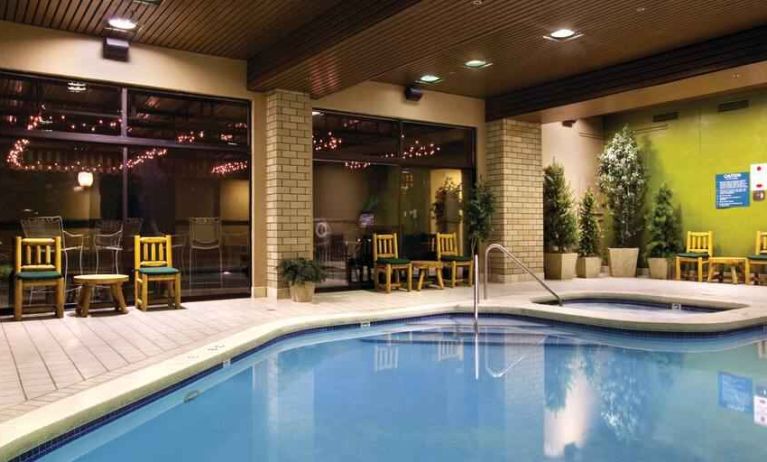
514, 173
289, 213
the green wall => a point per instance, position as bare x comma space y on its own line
688, 152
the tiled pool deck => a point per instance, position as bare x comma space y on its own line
43, 360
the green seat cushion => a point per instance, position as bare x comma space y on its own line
157, 271
392, 261
692, 255
760, 257
455, 258
38, 275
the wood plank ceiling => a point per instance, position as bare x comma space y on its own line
322, 46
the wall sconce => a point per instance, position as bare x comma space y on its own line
85, 179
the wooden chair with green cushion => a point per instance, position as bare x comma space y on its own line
758, 261
700, 247
386, 261
38, 264
153, 262
447, 252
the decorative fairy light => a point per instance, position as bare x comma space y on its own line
354, 165
16, 162
226, 137
190, 137
229, 167
146, 156
416, 150
331, 143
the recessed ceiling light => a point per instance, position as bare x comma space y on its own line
77, 87
316, 113
122, 23
429, 78
477, 64
562, 34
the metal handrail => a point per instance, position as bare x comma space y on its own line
506, 252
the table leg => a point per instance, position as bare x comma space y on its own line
440, 281
119, 299
421, 277
85, 300
734, 273
747, 270
711, 267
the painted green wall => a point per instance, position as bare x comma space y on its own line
688, 152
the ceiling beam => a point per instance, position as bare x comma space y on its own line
344, 20
713, 55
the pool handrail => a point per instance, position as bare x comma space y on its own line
514, 259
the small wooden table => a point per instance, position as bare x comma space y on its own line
89, 281
424, 267
733, 263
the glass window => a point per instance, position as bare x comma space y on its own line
59, 105
187, 120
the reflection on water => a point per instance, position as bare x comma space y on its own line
409, 392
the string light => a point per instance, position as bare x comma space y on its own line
146, 156
229, 167
354, 165
331, 143
416, 150
190, 137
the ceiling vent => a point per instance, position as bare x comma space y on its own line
733, 105
665, 117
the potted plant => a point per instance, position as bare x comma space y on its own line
301, 275
589, 261
622, 181
479, 213
447, 205
664, 231
559, 229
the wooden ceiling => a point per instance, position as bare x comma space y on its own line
323, 46
231, 28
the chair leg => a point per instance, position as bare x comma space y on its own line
388, 279
136, 299
144, 292
453, 274
678, 275
60, 298
410, 277
177, 290
18, 287
700, 270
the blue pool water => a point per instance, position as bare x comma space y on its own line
434, 390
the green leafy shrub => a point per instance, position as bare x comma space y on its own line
296, 271
589, 233
479, 213
622, 180
559, 229
663, 226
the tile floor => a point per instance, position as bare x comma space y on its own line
45, 359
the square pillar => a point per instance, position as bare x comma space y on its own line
514, 173
289, 214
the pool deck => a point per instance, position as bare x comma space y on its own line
56, 374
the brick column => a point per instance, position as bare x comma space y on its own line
288, 182
514, 172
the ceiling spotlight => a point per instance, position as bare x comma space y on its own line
429, 78
316, 113
563, 35
477, 64
122, 23
76, 87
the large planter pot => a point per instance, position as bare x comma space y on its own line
588, 267
659, 268
302, 292
559, 265
623, 262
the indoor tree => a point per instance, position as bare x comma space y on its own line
559, 225
663, 233
479, 213
589, 235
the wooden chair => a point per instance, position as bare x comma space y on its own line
758, 261
38, 264
447, 252
153, 260
386, 261
700, 247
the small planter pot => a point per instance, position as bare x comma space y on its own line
588, 267
623, 262
659, 268
302, 292
559, 265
